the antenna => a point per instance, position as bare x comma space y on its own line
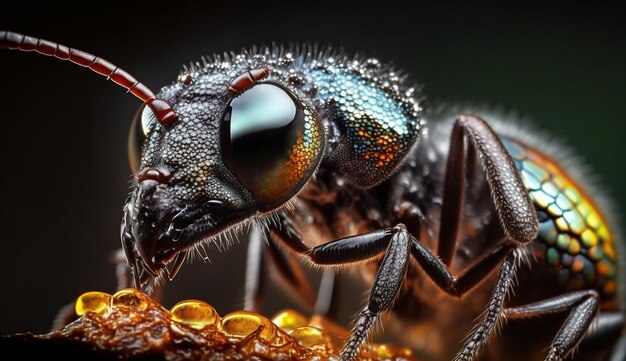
162, 110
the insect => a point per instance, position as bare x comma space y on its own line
328, 156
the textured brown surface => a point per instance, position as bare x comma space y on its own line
132, 326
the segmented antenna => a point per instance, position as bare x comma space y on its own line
162, 110
247, 79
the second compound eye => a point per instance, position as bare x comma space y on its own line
270, 142
141, 125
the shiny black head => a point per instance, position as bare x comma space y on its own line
249, 136
238, 137
232, 155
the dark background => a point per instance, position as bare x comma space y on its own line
63, 137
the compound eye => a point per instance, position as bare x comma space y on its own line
271, 142
143, 122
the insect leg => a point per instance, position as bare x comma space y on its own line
262, 254
67, 313
608, 327
328, 294
515, 208
364, 247
290, 273
396, 244
489, 319
65, 316
453, 195
503, 255
254, 271
582, 307
619, 351
284, 232
458, 286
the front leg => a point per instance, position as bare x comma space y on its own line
398, 245
387, 282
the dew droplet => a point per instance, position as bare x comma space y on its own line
289, 320
130, 298
96, 302
240, 324
195, 314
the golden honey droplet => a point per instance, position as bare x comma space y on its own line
382, 350
289, 320
96, 302
337, 333
194, 313
309, 336
130, 298
242, 323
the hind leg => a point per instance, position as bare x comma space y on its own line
581, 306
607, 333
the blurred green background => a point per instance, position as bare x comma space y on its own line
63, 150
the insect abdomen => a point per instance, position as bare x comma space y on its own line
575, 238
